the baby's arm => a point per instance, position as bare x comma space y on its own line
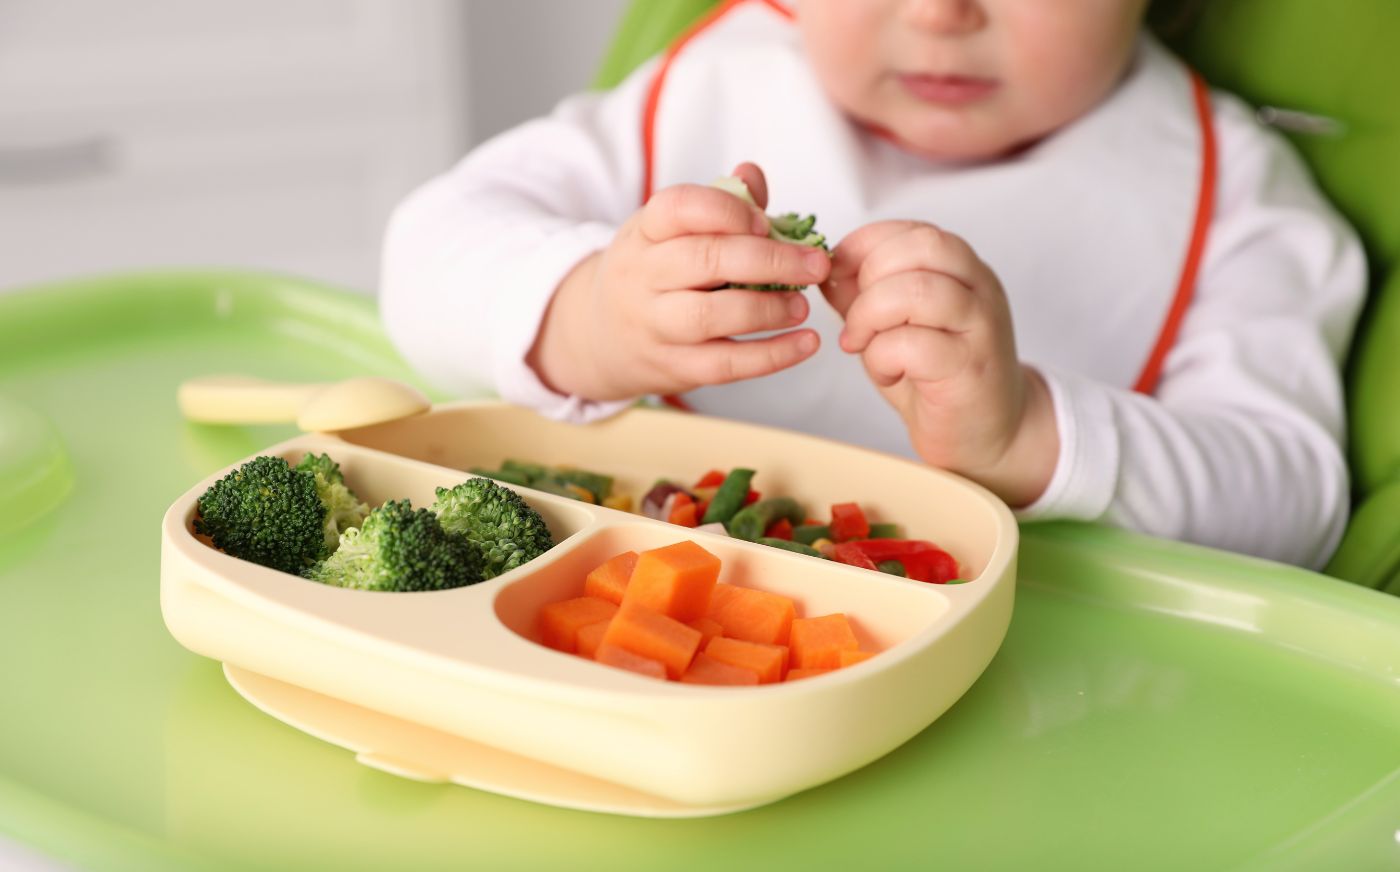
473, 259
932, 326
1239, 448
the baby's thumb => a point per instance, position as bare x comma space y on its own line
842, 286
757, 183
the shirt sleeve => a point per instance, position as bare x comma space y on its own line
472, 258
1241, 447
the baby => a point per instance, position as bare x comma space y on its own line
1065, 269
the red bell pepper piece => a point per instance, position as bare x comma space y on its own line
848, 522
847, 552
923, 561
752, 497
779, 529
713, 478
684, 515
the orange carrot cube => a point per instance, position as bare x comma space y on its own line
849, 658
818, 642
796, 674
652, 635
612, 655
609, 580
768, 661
560, 622
590, 637
709, 628
753, 615
675, 580
705, 669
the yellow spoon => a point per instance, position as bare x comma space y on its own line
317, 407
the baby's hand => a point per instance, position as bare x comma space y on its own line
642, 317
933, 328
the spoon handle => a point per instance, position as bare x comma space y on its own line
237, 399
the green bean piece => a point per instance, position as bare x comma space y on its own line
595, 483
730, 497
893, 567
809, 533
506, 475
884, 531
794, 547
751, 521
531, 471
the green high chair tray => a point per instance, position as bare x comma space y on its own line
1154, 706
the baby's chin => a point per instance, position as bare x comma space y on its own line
943, 142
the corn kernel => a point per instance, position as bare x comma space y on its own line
621, 502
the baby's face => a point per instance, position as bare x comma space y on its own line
969, 79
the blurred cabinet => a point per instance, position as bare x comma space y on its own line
264, 133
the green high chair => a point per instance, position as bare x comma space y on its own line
1286, 54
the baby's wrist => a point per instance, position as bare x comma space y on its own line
561, 361
1023, 471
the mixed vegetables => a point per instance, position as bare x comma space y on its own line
305, 520
665, 614
727, 504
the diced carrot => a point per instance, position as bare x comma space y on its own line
590, 637
675, 580
681, 498
795, 674
612, 655
769, 661
684, 515
752, 615
560, 622
653, 635
713, 478
610, 580
705, 669
780, 529
850, 658
709, 628
818, 642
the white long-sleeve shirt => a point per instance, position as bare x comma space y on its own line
1238, 448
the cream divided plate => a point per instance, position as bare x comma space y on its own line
454, 685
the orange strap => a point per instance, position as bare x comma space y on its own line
1205, 209
658, 80
1205, 198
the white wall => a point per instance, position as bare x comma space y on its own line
266, 134
523, 56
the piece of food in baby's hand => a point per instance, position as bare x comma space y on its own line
788, 227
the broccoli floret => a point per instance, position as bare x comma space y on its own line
400, 548
266, 512
788, 227
506, 529
343, 509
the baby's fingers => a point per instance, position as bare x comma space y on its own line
721, 361
842, 286
918, 299
685, 209
690, 317
712, 261
916, 353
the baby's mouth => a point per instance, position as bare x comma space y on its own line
947, 90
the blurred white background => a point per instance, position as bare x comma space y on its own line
273, 134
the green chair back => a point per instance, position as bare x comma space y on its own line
1337, 60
